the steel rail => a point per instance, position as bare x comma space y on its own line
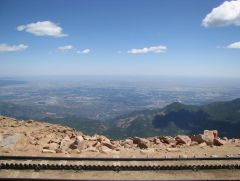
37, 166
58, 158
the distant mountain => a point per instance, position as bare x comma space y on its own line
178, 118
86, 125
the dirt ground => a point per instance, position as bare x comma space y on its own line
126, 175
191, 151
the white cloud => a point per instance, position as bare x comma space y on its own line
235, 45
12, 48
228, 13
154, 49
43, 28
65, 48
85, 51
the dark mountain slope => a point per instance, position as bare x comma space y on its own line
178, 118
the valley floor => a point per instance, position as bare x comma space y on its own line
126, 175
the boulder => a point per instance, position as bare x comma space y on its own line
128, 141
80, 138
127, 146
29, 121
214, 132
208, 137
105, 149
219, 142
118, 149
108, 144
234, 140
86, 137
59, 150
197, 138
70, 133
168, 140
61, 130
101, 139
84, 144
74, 145
33, 142
65, 143
141, 142
54, 140
96, 144
48, 151
183, 139
116, 143
75, 151
51, 146
157, 141
225, 138
91, 149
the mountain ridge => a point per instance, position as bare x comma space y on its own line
178, 118
175, 118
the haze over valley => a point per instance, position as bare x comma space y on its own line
96, 104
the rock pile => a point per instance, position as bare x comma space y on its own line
49, 138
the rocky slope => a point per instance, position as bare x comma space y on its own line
34, 138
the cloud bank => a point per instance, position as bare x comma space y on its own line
228, 13
235, 45
153, 49
12, 48
43, 28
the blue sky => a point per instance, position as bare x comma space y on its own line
127, 37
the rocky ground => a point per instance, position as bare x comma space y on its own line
18, 137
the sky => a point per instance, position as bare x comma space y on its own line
129, 37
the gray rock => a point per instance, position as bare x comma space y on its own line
11, 140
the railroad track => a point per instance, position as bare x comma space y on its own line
38, 163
